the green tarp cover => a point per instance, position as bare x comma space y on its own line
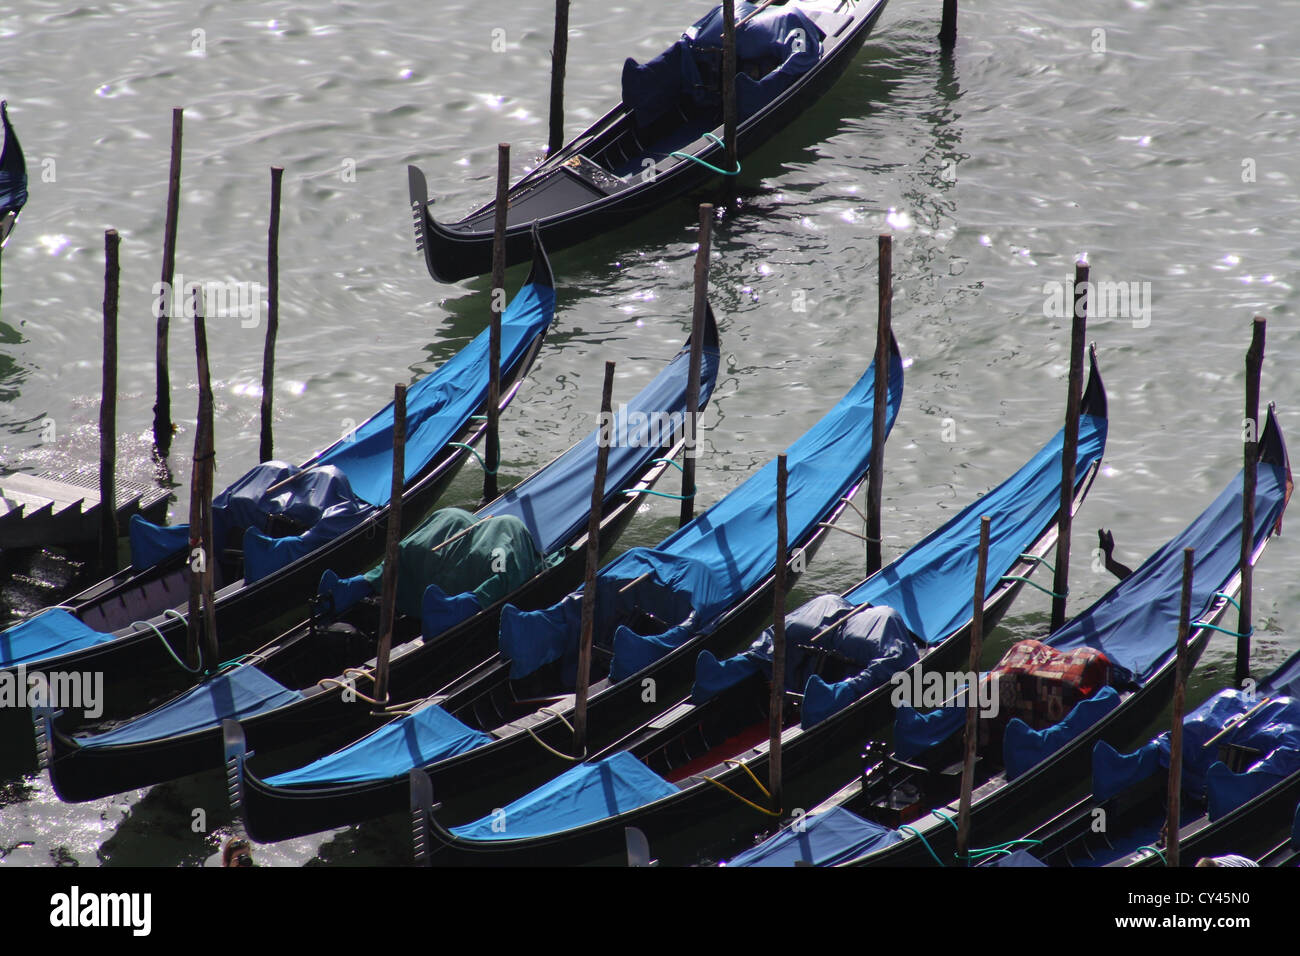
490, 561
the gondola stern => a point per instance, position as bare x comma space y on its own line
1094, 401
540, 273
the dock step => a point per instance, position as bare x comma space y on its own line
63, 508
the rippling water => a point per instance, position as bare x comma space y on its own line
1158, 138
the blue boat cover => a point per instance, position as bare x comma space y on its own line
1273, 731
1135, 624
338, 488
13, 170
822, 839
588, 793
50, 634
772, 51
927, 585
395, 749
554, 503
237, 694
538, 516
1019, 858
696, 574
924, 586
1023, 747
440, 404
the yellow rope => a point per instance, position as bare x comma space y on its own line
554, 713
745, 767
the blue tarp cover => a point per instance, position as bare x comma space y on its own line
588, 793
1136, 623
236, 694
439, 405
822, 839
397, 748
47, 635
927, 585
697, 573
772, 51
554, 503
924, 586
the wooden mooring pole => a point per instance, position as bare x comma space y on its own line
108, 412
492, 456
204, 552
701, 303
776, 706
876, 468
604, 437
972, 697
730, 115
1069, 454
1254, 367
948, 26
272, 313
559, 57
1176, 728
388, 598
162, 409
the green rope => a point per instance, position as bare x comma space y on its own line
905, 828
696, 159
1156, 850
1037, 560
1227, 597
470, 449
1002, 849
667, 461
946, 819
1032, 584
659, 494
1224, 630
136, 625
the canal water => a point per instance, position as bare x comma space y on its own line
1158, 139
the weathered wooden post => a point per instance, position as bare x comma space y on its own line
388, 594
972, 697
1078, 332
492, 458
776, 706
162, 409
730, 116
697, 357
272, 312
559, 56
604, 438
108, 412
1176, 729
948, 26
876, 468
1254, 366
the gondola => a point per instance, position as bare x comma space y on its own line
456, 573
1241, 781
505, 725
13, 177
1286, 853
664, 138
902, 810
692, 777
280, 528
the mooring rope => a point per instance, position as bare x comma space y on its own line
557, 714
695, 159
136, 625
745, 767
470, 449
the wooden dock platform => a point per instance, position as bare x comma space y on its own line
63, 509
